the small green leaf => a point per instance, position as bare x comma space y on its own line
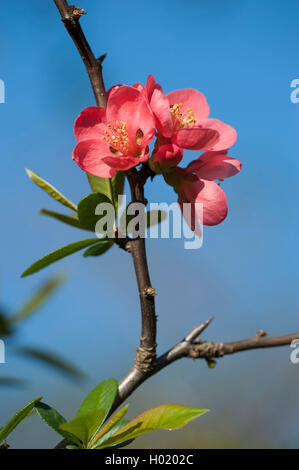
51, 360
99, 248
54, 420
18, 417
102, 396
59, 254
53, 192
118, 183
109, 428
111, 187
84, 426
167, 416
115, 428
67, 219
87, 208
72, 447
37, 300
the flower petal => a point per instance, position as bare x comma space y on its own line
127, 104
212, 166
88, 154
227, 134
211, 196
192, 99
195, 138
160, 107
124, 163
90, 123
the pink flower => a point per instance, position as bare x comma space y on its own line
115, 138
182, 118
195, 185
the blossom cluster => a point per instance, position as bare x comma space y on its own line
117, 138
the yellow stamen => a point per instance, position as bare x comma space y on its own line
182, 120
117, 137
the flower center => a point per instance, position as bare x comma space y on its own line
181, 120
117, 137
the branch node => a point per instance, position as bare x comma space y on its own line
260, 334
76, 12
145, 359
150, 291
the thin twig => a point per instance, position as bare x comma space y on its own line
70, 16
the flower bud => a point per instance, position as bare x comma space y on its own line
165, 157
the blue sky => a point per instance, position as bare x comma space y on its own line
243, 57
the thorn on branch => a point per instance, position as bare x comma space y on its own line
198, 330
102, 57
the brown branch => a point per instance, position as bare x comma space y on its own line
192, 347
70, 16
212, 349
145, 359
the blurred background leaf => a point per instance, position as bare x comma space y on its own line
10, 328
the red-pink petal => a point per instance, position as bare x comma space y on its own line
212, 166
124, 163
160, 107
88, 154
195, 138
211, 196
192, 99
90, 123
127, 104
227, 134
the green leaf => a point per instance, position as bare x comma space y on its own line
51, 360
102, 396
37, 300
84, 426
119, 425
54, 420
86, 210
167, 416
118, 183
99, 249
67, 219
18, 417
59, 254
53, 192
109, 428
111, 187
